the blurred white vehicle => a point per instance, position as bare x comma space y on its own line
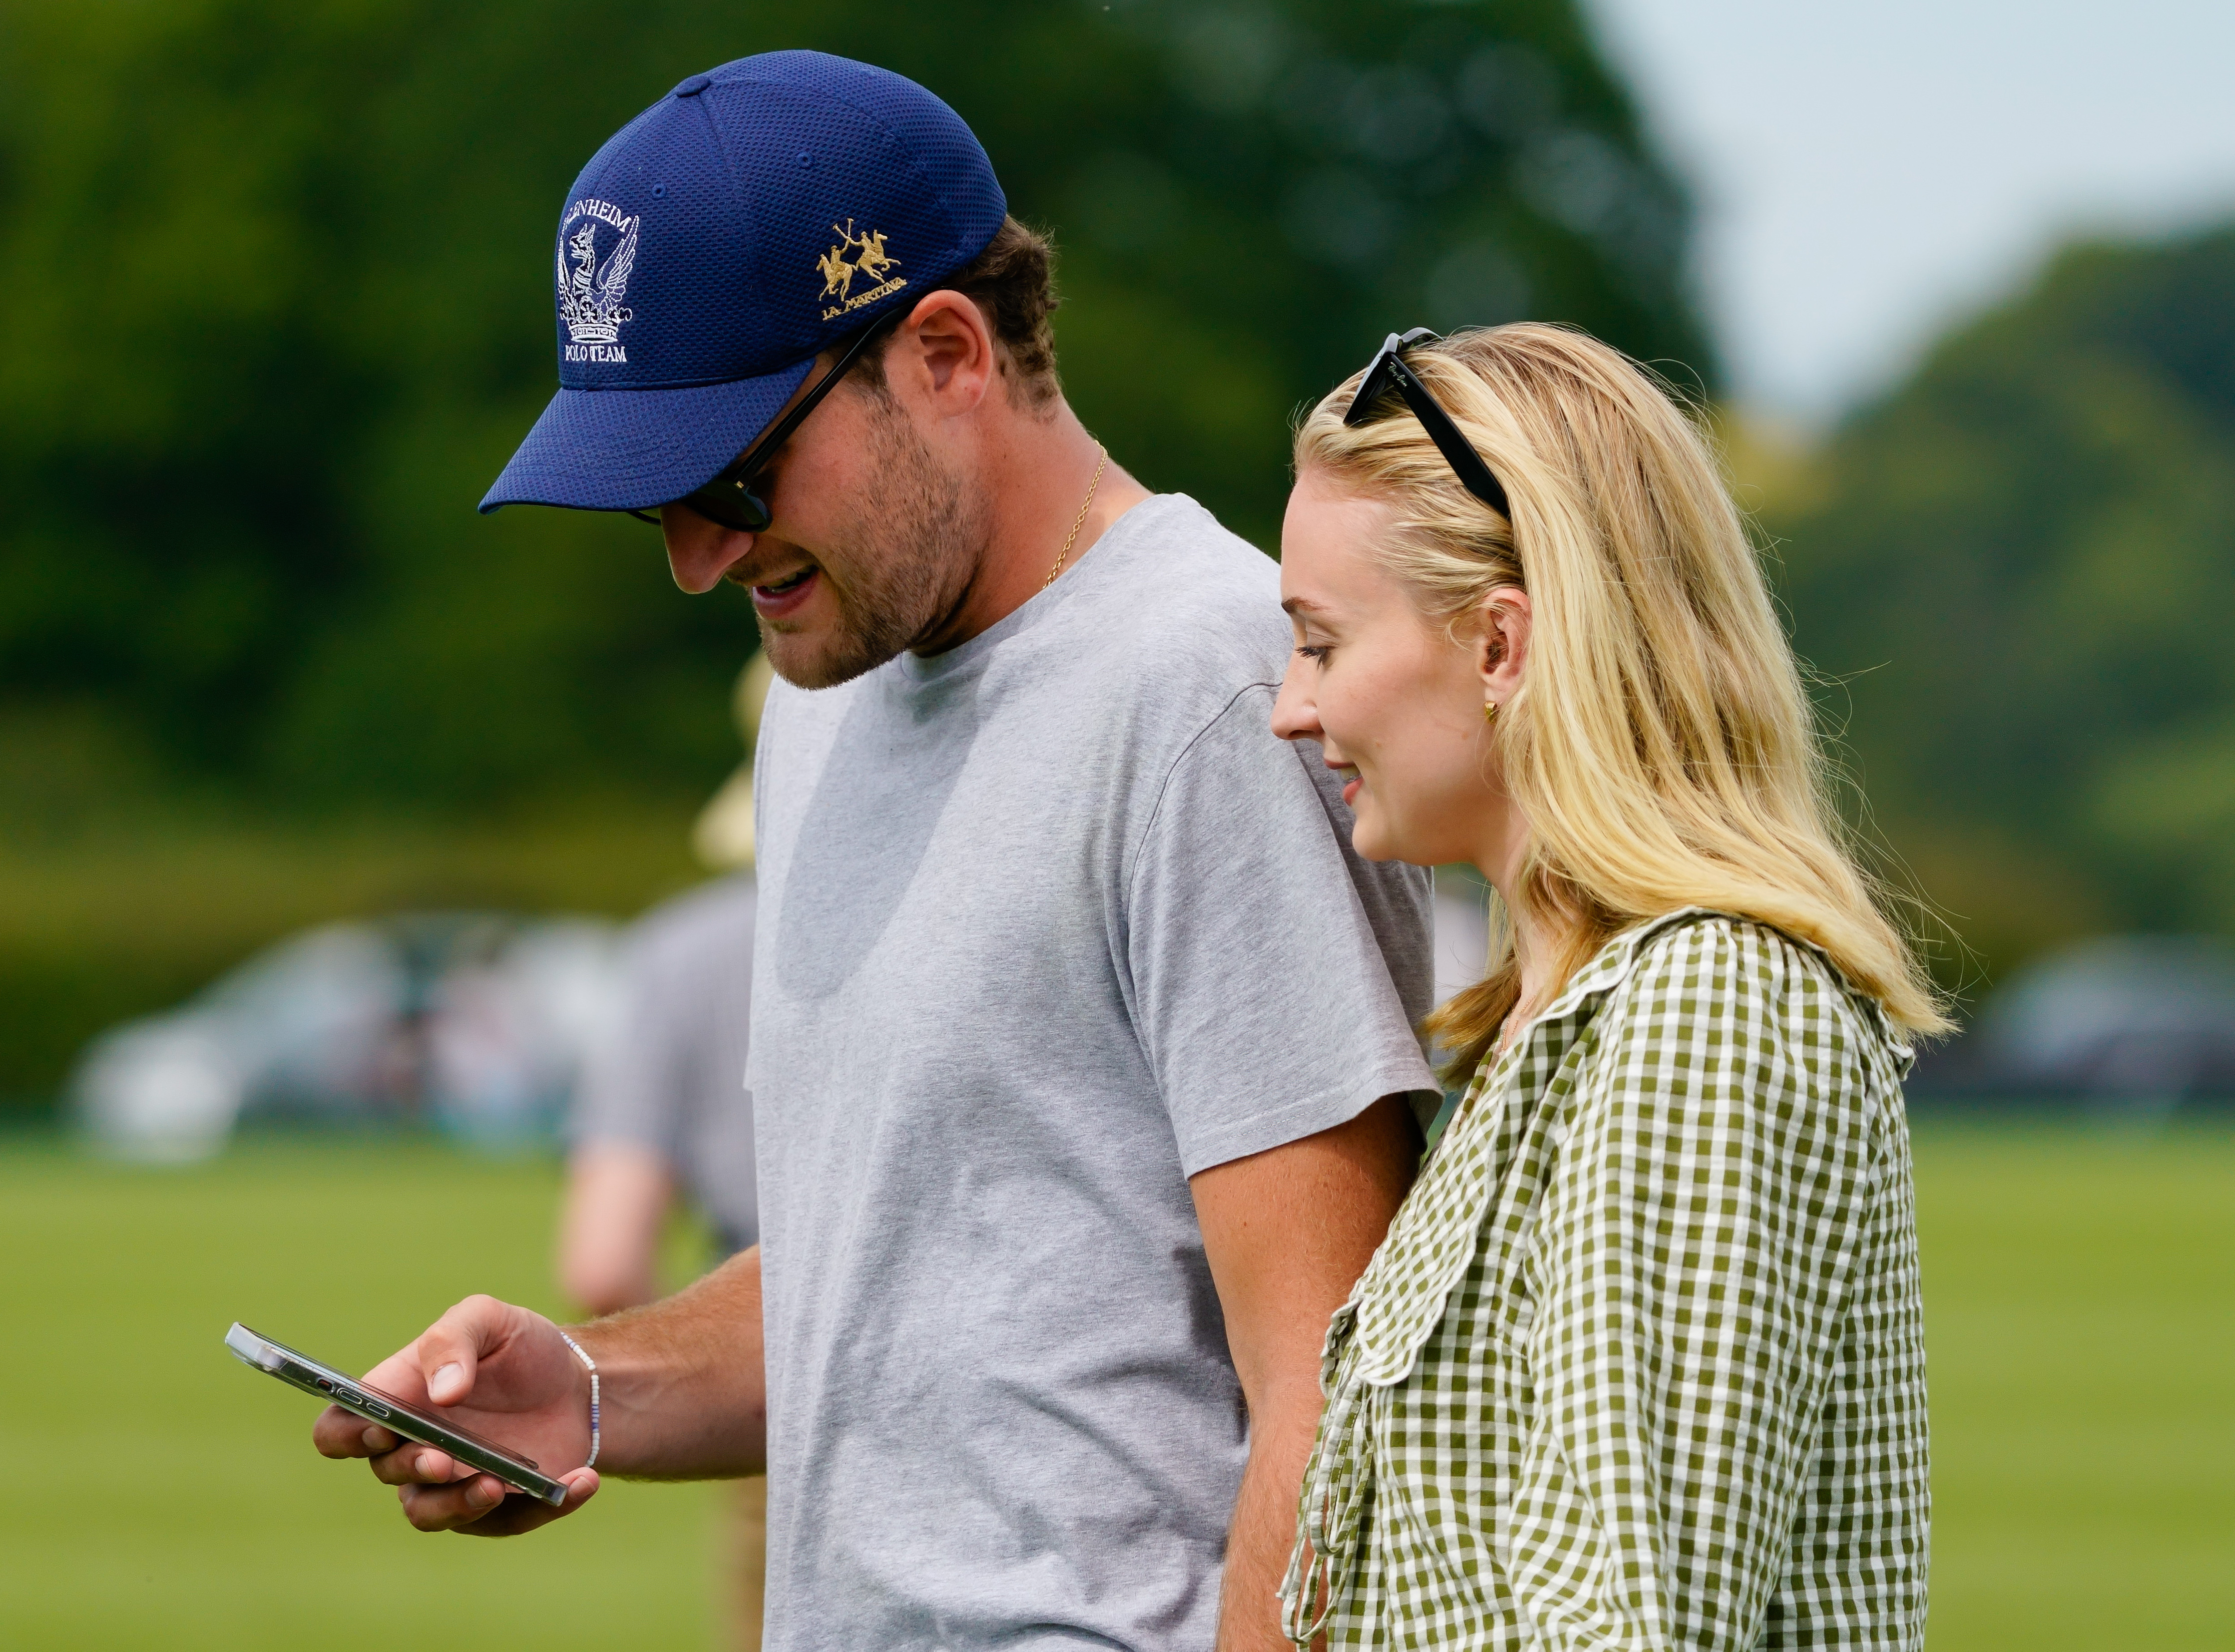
2140, 1022
479, 1024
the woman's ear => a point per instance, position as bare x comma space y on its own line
1502, 646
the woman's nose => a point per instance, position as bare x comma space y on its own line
1294, 716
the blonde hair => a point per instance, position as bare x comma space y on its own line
1661, 746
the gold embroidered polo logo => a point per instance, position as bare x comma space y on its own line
862, 255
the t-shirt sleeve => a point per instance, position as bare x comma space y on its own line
1264, 958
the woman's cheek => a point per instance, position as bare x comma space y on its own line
1369, 833
1376, 812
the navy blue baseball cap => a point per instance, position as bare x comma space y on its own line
752, 217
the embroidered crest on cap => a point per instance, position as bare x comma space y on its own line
590, 292
868, 259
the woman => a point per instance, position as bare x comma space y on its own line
1640, 1363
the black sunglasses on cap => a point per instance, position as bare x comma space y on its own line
1388, 372
730, 498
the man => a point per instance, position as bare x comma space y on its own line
1080, 1081
662, 1112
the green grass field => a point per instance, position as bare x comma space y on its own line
169, 1496
2081, 1289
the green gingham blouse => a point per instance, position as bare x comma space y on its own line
1641, 1364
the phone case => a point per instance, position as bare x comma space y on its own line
375, 1405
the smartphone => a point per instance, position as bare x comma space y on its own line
378, 1405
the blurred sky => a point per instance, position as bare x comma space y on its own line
1866, 174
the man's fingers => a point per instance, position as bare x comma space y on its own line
528, 1370
446, 1508
479, 1507
340, 1434
517, 1514
411, 1463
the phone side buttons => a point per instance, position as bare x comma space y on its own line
352, 1397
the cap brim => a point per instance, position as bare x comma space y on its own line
632, 449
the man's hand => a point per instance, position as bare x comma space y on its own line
1288, 1232
682, 1392
504, 1374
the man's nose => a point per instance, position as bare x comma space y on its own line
1294, 716
700, 552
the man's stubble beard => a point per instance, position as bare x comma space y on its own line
909, 554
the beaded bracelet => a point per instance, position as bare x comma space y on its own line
591, 1366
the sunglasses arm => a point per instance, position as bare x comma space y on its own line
740, 473
1474, 475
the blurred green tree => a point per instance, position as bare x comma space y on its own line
2017, 572
278, 312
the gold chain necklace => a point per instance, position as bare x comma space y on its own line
1071, 538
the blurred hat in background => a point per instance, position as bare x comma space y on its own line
723, 838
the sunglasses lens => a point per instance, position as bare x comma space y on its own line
732, 507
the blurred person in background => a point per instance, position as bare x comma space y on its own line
1057, 1199
663, 1111
1641, 1363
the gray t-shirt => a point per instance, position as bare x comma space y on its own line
673, 1079
1049, 923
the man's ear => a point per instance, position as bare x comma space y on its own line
1502, 644
945, 352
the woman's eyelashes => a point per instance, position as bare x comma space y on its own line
1315, 652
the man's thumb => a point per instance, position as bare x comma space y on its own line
450, 1351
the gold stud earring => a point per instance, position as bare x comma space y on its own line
1490, 711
